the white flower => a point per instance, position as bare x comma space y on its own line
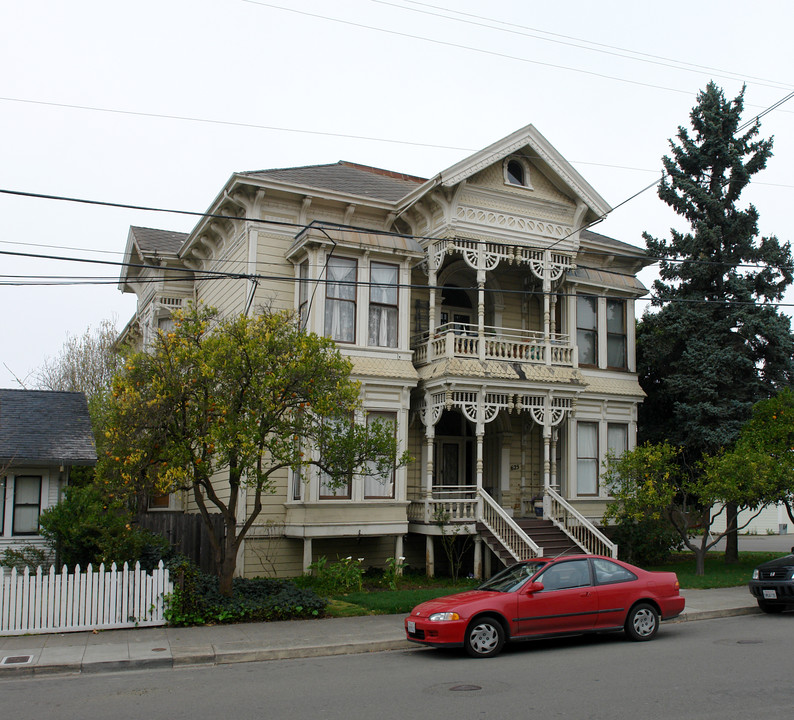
361, 560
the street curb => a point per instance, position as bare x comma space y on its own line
287, 653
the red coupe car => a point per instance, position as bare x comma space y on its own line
542, 598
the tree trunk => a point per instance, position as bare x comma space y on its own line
227, 565
700, 562
732, 534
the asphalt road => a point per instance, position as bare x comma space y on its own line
729, 668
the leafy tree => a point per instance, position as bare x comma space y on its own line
219, 406
715, 345
651, 484
765, 450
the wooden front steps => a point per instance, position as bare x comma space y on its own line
547, 535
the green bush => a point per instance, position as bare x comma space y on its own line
645, 542
344, 575
90, 526
196, 599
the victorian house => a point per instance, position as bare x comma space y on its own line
481, 318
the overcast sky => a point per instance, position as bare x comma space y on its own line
157, 102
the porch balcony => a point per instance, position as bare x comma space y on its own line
462, 340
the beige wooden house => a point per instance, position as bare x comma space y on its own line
481, 317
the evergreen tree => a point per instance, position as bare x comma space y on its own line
714, 345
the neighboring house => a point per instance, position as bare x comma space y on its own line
481, 318
771, 519
43, 434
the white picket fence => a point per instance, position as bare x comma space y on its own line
44, 602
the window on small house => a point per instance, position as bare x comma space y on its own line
340, 300
27, 504
383, 305
616, 333
516, 174
3, 484
379, 486
303, 299
587, 458
587, 329
159, 501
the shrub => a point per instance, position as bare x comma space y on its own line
344, 575
196, 599
646, 541
90, 526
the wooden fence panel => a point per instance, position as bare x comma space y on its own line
43, 602
187, 534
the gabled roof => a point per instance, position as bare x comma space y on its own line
43, 427
543, 155
345, 177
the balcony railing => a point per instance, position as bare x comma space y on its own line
461, 340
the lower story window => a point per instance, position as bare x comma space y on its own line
27, 504
380, 486
587, 458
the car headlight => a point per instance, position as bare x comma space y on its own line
755, 574
440, 617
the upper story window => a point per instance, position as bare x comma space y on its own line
383, 305
516, 173
303, 297
587, 329
340, 300
616, 333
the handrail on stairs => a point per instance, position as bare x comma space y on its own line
576, 526
505, 529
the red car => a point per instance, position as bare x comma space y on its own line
541, 598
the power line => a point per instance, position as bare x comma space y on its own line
459, 46
598, 47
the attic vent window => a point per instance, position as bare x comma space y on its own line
516, 173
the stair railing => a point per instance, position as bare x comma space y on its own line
576, 526
505, 529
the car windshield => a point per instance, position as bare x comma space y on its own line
511, 578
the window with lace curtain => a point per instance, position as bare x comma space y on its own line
383, 301
587, 458
340, 300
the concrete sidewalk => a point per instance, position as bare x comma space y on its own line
166, 647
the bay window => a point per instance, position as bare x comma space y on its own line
587, 458
616, 333
383, 301
375, 485
587, 329
340, 300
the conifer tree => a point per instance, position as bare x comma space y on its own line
715, 343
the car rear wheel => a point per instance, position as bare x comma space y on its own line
771, 608
642, 622
485, 637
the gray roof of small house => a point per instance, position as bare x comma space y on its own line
345, 177
45, 427
150, 240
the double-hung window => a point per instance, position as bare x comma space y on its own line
3, 485
375, 485
27, 504
303, 298
587, 458
383, 301
587, 329
616, 333
617, 438
340, 300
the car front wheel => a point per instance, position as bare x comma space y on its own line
642, 622
771, 608
484, 637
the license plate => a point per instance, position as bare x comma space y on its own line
770, 595
411, 626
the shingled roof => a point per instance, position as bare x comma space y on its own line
43, 427
346, 177
150, 240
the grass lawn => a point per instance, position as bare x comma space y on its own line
414, 589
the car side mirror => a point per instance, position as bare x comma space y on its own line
533, 587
